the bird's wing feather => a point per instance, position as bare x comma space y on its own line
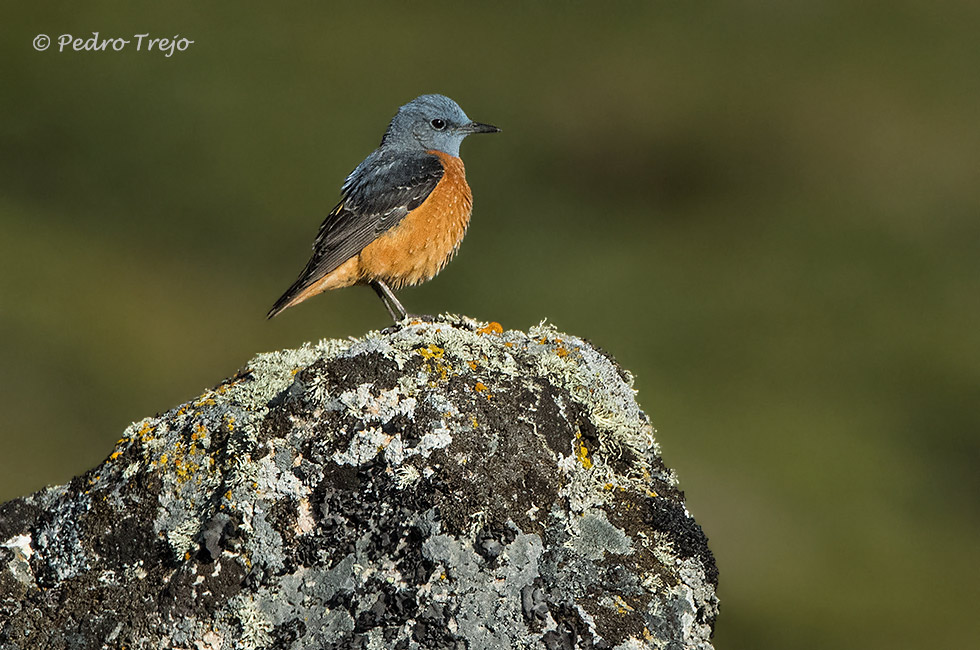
376, 200
377, 196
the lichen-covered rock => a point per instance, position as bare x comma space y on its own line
437, 485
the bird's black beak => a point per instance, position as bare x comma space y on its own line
477, 127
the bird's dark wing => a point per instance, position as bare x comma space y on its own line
376, 199
377, 196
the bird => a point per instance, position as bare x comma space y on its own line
402, 213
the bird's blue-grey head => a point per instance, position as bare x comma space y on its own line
431, 122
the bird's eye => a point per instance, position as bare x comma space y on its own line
438, 124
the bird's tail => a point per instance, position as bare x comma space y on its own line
314, 280
292, 296
281, 304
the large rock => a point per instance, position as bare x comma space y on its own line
436, 485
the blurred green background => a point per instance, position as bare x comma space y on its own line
768, 211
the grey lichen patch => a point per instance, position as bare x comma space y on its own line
438, 484
19, 565
594, 536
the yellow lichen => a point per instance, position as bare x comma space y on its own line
483, 389
582, 452
433, 356
184, 469
114, 455
622, 605
491, 328
433, 351
200, 431
145, 431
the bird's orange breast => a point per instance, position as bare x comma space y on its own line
426, 239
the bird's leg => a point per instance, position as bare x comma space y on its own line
391, 303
